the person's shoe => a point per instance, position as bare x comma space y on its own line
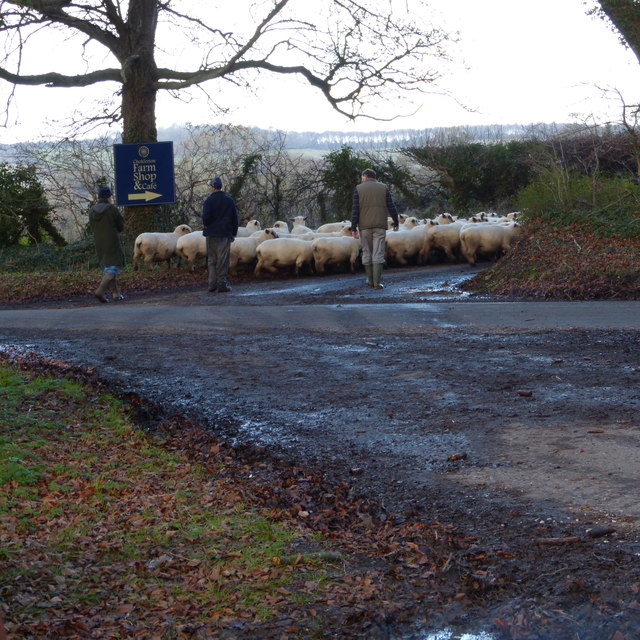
223, 288
116, 294
105, 283
369, 271
377, 274
213, 289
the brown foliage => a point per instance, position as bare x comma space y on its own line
565, 264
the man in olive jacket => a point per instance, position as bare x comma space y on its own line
372, 204
107, 224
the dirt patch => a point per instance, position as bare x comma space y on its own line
525, 440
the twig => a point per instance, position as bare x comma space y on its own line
567, 540
577, 245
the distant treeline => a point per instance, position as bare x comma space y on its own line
397, 138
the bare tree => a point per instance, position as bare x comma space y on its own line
69, 171
349, 51
287, 184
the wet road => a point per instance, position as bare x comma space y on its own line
391, 382
414, 298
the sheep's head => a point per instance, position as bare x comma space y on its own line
182, 229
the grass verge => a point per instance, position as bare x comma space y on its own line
109, 531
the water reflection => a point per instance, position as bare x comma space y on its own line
447, 634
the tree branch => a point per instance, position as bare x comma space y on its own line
59, 80
39, 12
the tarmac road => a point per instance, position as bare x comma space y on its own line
314, 337
414, 297
480, 315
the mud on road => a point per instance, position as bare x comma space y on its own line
513, 435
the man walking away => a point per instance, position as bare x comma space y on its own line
372, 205
107, 224
220, 221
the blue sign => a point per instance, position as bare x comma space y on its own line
144, 173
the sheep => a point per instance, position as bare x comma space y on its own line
251, 227
404, 246
444, 218
243, 250
442, 236
191, 247
410, 223
157, 246
281, 227
283, 252
330, 227
489, 239
298, 227
312, 235
338, 251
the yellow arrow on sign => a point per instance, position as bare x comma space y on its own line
147, 195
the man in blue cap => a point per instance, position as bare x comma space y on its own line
220, 221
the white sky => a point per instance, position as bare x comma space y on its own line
524, 62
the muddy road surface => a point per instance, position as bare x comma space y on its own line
514, 421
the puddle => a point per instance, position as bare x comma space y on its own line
449, 635
438, 293
448, 289
446, 634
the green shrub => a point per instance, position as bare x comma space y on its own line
79, 256
607, 205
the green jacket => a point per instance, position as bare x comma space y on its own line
372, 203
107, 223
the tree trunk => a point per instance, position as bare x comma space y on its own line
139, 89
625, 16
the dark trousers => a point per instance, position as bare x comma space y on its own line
218, 252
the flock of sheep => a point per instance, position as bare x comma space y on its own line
279, 248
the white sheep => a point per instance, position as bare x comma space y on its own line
312, 235
442, 236
338, 251
243, 250
298, 226
331, 227
158, 247
281, 227
251, 227
444, 218
191, 247
404, 246
281, 253
487, 238
410, 223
